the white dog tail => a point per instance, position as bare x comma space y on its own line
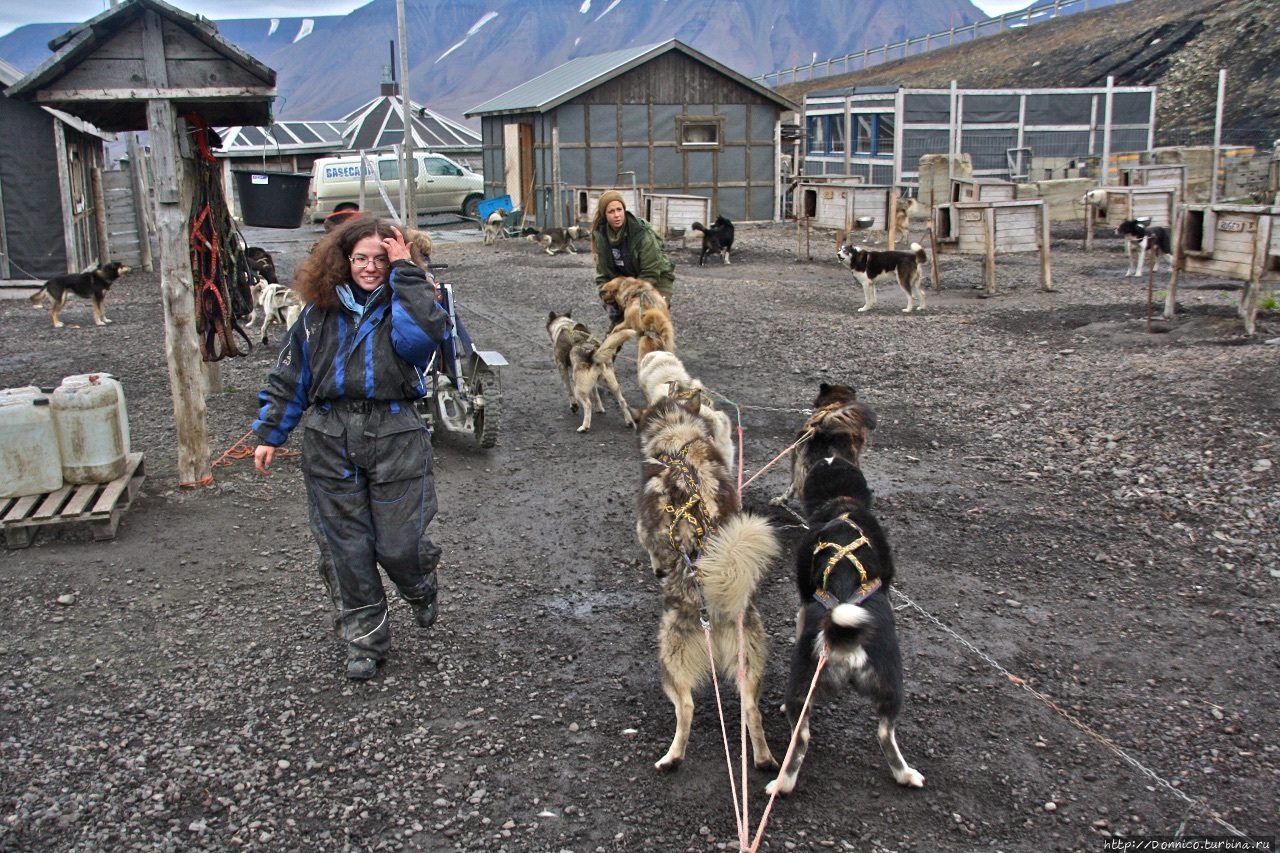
851, 615
608, 350
921, 257
734, 560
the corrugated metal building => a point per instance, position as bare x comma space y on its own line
664, 117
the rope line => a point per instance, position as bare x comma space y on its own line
1192, 802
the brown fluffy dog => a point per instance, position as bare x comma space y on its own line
661, 374
585, 363
705, 551
839, 426
644, 310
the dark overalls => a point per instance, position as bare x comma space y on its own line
349, 379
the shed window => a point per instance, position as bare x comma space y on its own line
700, 132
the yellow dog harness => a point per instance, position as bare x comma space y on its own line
842, 552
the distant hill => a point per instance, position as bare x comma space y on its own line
466, 51
1177, 45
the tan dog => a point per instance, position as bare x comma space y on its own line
907, 207
280, 305
493, 226
661, 374
840, 426
706, 552
644, 310
419, 246
585, 363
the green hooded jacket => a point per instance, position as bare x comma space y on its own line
648, 255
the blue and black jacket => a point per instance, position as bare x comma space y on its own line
341, 353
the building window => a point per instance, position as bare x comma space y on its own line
874, 134
700, 132
826, 134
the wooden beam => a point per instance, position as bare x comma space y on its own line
1046, 274
143, 93
100, 214
64, 197
178, 291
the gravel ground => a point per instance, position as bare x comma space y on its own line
1079, 508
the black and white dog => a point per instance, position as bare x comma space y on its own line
868, 265
716, 240
843, 573
1150, 238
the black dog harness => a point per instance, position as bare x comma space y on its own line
842, 552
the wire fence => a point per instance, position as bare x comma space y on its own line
869, 57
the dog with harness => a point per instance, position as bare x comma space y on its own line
709, 557
640, 306
840, 425
845, 634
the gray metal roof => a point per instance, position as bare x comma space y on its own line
283, 137
380, 124
561, 84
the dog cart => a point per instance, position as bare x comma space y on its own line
464, 387
512, 219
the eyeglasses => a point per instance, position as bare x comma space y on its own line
378, 263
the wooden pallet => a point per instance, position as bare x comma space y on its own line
99, 504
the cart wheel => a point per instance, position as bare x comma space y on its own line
488, 418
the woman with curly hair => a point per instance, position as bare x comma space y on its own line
349, 372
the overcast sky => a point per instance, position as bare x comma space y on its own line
15, 13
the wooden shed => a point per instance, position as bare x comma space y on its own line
52, 204
663, 117
991, 228
1233, 241
145, 65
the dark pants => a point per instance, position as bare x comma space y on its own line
371, 494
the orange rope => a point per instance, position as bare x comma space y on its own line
801, 440
242, 450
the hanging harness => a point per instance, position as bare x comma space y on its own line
843, 552
218, 264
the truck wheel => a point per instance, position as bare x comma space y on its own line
471, 206
488, 418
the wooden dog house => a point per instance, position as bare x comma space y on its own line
672, 215
1125, 203
846, 206
1233, 241
991, 228
969, 189
1163, 175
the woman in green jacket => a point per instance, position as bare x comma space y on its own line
624, 244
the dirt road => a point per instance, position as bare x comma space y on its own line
1085, 518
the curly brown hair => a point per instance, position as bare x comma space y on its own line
317, 277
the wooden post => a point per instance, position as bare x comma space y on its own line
408, 180
893, 217
933, 256
1090, 216
1253, 288
1178, 259
141, 201
1046, 273
67, 205
100, 215
174, 195
989, 258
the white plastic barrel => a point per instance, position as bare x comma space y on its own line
86, 421
111, 382
29, 459
21, 391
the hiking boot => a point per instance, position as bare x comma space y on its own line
361, 669
426, 614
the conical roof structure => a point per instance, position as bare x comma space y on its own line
379, 124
